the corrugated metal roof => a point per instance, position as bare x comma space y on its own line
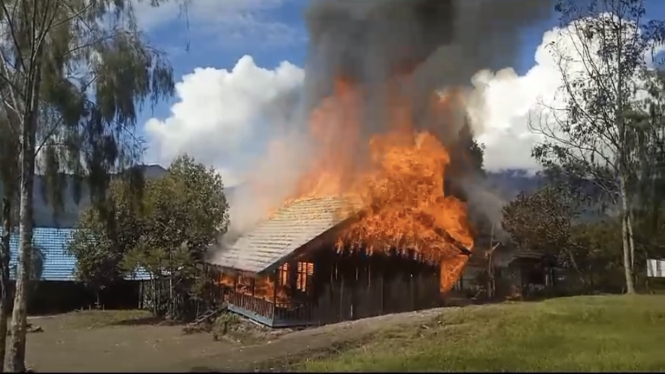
288, 229
58, 264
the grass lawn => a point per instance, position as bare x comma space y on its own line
597, 333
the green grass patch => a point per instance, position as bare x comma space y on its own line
598, 333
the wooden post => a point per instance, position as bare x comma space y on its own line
331, 289
341, 297
416, 287
273, 308
275, 277
383, 281
412, 270
293, 276
140, 294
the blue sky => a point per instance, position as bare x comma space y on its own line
220, 32
189, 47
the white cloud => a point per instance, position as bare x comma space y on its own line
511, 100
218, 113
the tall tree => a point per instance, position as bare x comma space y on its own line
165, 231
648, 144
542, 221
100, 244
601, 59
74, 74
186, 211
8, 171
560, 220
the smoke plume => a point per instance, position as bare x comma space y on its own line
435, 44
442, 43
270, 177
431, 44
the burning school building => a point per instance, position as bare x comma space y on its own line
374, 224
357, 239
290, 271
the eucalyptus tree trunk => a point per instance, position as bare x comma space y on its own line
16, 358
4, 276
631, 239
622, 168
626, 237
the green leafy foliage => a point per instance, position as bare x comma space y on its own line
95, 72
542, 221
597, 252
551, 221
165, 231
101, 242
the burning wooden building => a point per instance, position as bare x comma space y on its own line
289, 271
369, 228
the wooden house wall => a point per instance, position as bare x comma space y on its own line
354, 285
348, 286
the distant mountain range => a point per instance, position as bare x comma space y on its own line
507, 183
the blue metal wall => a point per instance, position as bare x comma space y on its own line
58, 264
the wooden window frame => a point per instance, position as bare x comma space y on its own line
305, 272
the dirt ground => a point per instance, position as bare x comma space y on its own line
96, 341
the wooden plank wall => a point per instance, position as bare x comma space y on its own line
353, 285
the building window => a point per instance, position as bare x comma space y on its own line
305, 271
284, 274
244, 285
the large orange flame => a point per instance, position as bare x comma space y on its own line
396, 178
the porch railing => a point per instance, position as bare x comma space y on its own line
300, 312
261, 307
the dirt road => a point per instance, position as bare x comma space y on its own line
68, 345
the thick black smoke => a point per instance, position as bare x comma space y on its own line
369, 40
435, 43
440, 42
